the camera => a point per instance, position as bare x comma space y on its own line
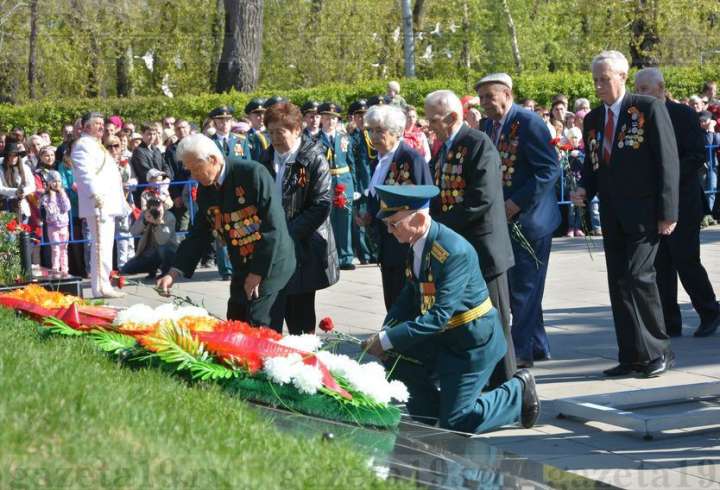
155, 208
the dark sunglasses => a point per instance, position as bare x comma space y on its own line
117, 145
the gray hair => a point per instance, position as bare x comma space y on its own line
696, 99
446, 101
574, 132
652, 75
615, 59
582, 101
394, 86
389, 117
199, 146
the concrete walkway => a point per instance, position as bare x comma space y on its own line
579, 323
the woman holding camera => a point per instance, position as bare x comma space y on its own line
302, 180
17, 182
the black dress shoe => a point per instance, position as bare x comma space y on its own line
530, 401
523, 363
347, 267
708, 328
659, 365
541, 356
622, 369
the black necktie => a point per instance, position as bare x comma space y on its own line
226, 149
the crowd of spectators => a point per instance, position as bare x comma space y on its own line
37, 183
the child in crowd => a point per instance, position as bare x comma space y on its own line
57, 216
573, 174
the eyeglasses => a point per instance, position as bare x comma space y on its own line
116, 145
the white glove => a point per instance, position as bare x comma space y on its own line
356, 196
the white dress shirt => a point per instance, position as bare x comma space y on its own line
615, 108
382, 168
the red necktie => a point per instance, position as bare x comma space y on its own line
608, 136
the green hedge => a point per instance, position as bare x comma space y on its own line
52, 114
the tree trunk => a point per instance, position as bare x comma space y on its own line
408, 40
217, 40
644, 34
513, 36
465, 53
418, 15
239, 65
123, 68
32, 67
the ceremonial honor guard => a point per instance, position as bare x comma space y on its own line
467, 171
400, 165
530, 170
258, 140
444, 326
363, 154
311, 119
236, 204
338, 155
679, 252
632, 163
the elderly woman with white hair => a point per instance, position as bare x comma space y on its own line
238, 205
398, 164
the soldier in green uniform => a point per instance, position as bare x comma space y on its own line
236, 203
338, 154
311, 119
365, 158
445, 326
257, 136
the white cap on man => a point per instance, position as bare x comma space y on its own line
502, 78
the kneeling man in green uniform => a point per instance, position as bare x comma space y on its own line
237, 205
445, 327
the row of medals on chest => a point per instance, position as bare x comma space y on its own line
452, 184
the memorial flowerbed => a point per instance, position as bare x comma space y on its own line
296, 373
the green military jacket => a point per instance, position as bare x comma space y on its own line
245, 215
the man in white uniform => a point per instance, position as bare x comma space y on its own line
100, 200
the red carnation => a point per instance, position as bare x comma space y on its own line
566, 147
121, 282
555, 141
193, 193
340, 201
326, 324
12, 225
340, 188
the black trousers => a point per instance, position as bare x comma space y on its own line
256, 312
679, 255
393, 280
297, 310
499, 292
634, 296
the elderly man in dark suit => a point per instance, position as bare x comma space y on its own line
530, 170
632, 162
679, 253
467, 171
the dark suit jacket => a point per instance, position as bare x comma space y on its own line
691, 153
639, 185
536, 171
179, 172
145, 158
273, 255
480, 218
390, 251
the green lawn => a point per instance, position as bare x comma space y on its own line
72, 417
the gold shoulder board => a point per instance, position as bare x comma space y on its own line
439, 252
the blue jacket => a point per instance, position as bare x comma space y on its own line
237, 146
530, 171
340, 158
453, 263
363, 163
390, 251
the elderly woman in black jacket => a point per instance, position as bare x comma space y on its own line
302, 179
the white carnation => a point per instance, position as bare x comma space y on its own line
399, 391
139, 313
280, 369
307, 379
305, 342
